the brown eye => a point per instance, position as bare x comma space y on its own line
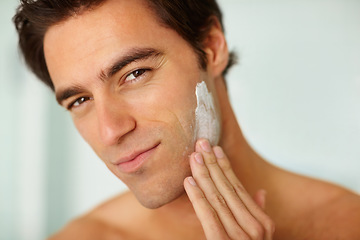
78, 102
135, 74
139, 72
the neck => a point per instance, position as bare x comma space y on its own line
250, 168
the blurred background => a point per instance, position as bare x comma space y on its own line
296, 93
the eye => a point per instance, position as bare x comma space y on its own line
135, 74
78, 102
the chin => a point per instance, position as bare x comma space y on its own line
156, 198
161, 182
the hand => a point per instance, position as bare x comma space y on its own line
224, 208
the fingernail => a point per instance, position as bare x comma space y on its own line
191, 181
199, 159
219, 153
205, 145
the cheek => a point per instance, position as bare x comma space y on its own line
183, 111
173, 104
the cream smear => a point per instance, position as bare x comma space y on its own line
207, 120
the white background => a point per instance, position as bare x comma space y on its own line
296, 93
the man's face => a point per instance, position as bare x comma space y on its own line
129, 84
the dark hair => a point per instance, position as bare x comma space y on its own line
191, 19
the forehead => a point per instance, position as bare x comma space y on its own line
79, 46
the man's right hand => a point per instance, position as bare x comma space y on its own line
223, 206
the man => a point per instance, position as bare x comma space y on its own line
144, 83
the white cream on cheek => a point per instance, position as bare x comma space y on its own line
207, 120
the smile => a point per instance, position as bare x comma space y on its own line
133, 162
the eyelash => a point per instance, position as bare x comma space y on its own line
83, 99
139, 72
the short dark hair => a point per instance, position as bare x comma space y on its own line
191, 19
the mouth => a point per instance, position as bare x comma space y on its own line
133, 162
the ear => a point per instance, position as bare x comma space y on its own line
216, 49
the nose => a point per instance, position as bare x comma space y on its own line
114, 121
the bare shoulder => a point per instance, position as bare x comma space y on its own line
103, 222
335, 216
87, 228
342, 215
307, 208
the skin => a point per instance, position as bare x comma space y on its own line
145, 118
233, 193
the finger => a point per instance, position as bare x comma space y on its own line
214, 197
248, 223
260, 197
255, 209
209, 220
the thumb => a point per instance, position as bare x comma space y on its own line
260, 198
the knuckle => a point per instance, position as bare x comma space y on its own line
242, 236
211, 214
211, 161
269, 225
238, 233
257, 232
229, 187
218, 200
198, 199
204, 174
225, 164
201, 172
239, 188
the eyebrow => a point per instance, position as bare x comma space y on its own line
133, 55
